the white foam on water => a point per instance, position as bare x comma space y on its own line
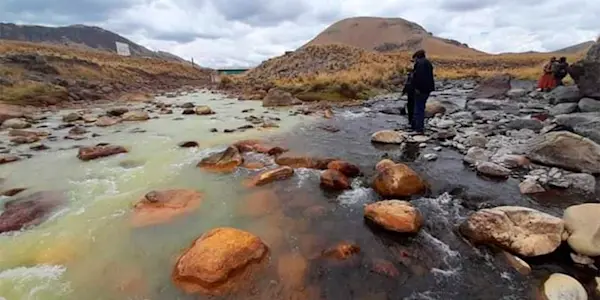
349, 115
422, 296
304, 175
35, 280
356, 196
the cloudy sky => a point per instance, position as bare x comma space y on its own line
226, 33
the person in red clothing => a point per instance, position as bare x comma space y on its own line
547, 82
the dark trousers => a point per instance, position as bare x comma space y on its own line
418, 123
410, 106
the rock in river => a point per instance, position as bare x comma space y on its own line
563, 287
584, 124
398, 181
388, 137
219, 262
16, 124
345, 167
107, 121
492, 169
225, 161
98, 151
589, 105
268, 176
162, 206
188, 144
278, 97
136, 115
493, 87
298, 161
334, 180
395, 215
583, 223
520, 230
566, 150
203, 110
7, 158
29, 210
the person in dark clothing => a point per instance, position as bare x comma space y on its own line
409, 91
423, 84
560, 70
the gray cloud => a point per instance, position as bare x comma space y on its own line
260, 12
466, 5
45, 11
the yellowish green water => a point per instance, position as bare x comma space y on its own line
89, 250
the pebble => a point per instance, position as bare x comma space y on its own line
530, 186
430, 156
423, 145
437, 148
581, 259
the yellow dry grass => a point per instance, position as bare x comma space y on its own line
78, 62
87, 65
364, 72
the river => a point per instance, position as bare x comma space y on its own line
89, 249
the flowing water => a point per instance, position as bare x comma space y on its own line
89, 250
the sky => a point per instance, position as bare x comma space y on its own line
242, 33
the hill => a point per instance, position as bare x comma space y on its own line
339, 72
41, 74
579, 48
388, 35
81, 36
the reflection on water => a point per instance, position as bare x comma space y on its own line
91, 251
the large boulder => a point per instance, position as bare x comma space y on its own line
269, 176
566, 150
162, 206
585, 124
30, 210
493, 170
225, 161
564, 94
583, 224
493, 87
388, 137
219, 262
586, 73
395, 215
136, 115
523, 231
398, 181
98, 151
278, 97
589, 105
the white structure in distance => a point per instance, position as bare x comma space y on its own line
122, 49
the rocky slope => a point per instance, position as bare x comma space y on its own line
387, 35
77, 36
46, 75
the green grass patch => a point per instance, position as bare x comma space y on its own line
33, 93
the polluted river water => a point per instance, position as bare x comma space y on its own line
89, 249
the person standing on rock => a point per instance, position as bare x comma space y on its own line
547, 82
559, 70
409, 91
423, 84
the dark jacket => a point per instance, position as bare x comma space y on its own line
408, 86
560, 69
423, 80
